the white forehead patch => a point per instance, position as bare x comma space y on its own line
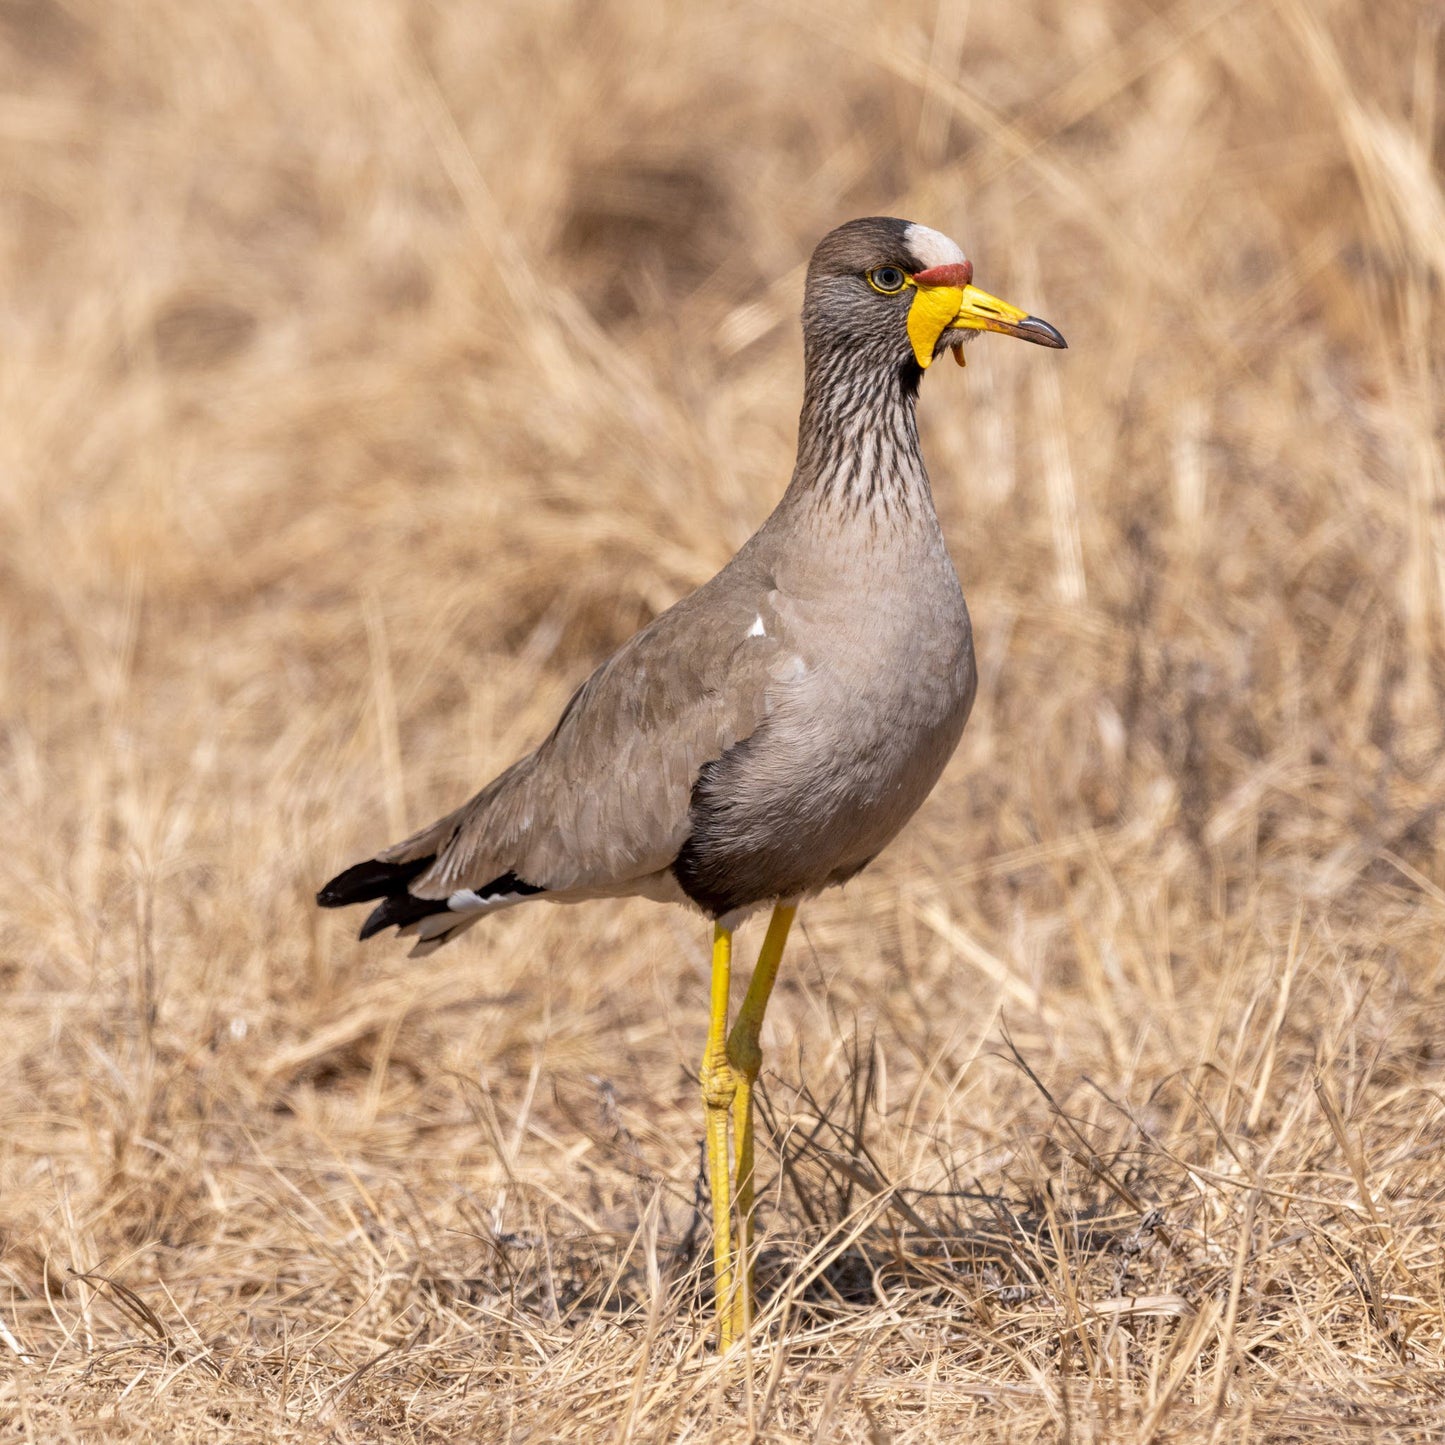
932, 247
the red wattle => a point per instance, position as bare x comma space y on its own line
959, 274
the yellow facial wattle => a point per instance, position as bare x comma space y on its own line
965, 308
931, 314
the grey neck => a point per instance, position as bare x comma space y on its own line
858, 449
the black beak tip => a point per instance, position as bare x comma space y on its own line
1039, 331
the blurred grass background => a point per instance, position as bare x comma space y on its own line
368, 371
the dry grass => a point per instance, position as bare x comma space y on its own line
367, 371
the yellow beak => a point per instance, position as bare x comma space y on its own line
937, 309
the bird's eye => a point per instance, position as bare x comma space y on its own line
887, 280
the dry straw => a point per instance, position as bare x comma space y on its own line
367, 371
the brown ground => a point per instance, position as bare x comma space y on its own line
367, 371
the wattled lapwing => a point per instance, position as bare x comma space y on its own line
769, 734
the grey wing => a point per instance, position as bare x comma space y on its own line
604, 801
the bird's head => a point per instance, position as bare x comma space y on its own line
901, 294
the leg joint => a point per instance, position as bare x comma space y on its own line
719, 1083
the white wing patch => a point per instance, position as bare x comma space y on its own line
465, 899
757, 629
464, 907
468, 900
932, 247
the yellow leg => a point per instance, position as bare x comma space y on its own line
745, 1056
730, 1066
719, 1084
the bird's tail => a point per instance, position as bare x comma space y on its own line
376, 878
431, 921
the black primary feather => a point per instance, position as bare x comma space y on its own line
400, 909
371, 879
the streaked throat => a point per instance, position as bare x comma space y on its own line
858, 449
